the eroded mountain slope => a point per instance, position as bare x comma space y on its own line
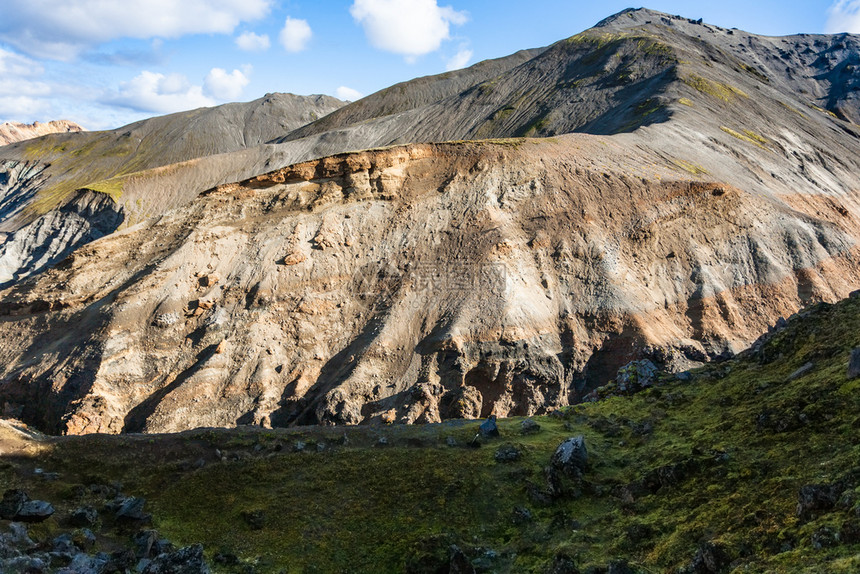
410, 284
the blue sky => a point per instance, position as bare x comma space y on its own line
106, 63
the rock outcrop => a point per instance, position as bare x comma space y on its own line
11, 132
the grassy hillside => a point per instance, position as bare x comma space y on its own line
694, 474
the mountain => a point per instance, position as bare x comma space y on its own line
11, 132
46, 183
746, 465
686, 192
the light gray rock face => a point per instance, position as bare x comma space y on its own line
53, 236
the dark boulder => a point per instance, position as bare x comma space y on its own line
711, 558
571, 457
507, 453
13, 500
816, 499
85, 516
562, 564
188, 560
854, 363
489, 428
35, 511
824, 537
131, 510
529, 426
636, 375
459, 562
619, 567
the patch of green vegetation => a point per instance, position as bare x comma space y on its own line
792, 109
689, 167
748, 136
754, 72
718, 90
112, 187
822, 110
720, 457
686, 102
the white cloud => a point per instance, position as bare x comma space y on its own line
459, 60
251, 42
152, 92
348, 94
295, 35
223, 86
21, 108
843, 16
61, 29
408, 27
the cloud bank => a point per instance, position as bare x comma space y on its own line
843, 16
61, 29
408, 27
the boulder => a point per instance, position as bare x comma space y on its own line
188, 560
130, 509
84, 516
854, 363
459, 562
815, 499
13, 500
489, 428
571, 456
507, 453
35, 511
529, 426
636, 375
711, 558
562, 564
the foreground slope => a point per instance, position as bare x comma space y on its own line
745, 466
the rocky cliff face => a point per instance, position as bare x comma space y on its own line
415, 283
426, 281
11, 132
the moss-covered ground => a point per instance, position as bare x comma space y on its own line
717, 458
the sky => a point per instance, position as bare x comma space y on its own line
107, 63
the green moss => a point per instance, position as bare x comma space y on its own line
748, 136
718, 90
686, 102
689, 167
822, 110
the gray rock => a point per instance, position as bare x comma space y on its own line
854, 363
13, 500
459, 562
801, 371
710, 558
188, 560
507, 453
131, 510
571, 456
529, 426
84, 516
815, 499
636, 375
451, 441
35, 511
489, 428
562, 564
